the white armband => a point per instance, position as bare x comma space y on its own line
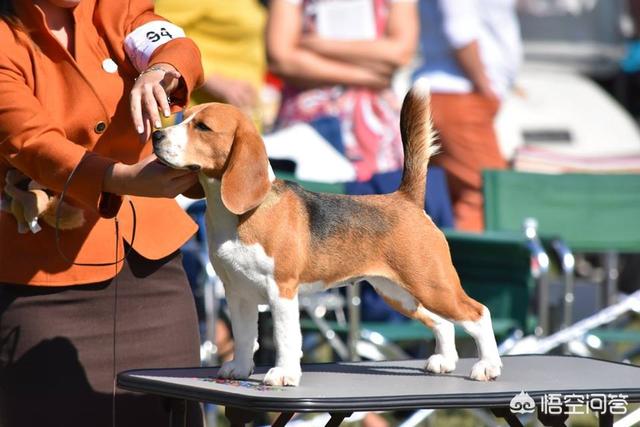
144, 40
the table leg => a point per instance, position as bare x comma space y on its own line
178, 413
508, 416
605, 419
552, 420
283, 419
238, 417
337, 418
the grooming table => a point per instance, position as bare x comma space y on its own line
342, 388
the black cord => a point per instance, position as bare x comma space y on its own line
57, 229
115, 325
101, 264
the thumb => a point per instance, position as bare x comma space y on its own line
173, 73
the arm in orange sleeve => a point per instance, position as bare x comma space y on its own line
170, 47
33, 144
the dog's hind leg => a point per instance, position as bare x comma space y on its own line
446, 356
288, 341
244, 324
475, 318
489, 366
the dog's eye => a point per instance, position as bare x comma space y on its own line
202, 126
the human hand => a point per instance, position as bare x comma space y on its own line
236, 92
485, 90
148, 178
150, 92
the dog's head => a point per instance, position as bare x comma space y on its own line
221, 142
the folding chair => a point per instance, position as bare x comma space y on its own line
592, 213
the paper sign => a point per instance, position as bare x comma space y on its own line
346, 20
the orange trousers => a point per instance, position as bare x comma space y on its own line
465, 124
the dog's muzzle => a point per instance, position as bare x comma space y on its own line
157, 137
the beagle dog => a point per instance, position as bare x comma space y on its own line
270, 240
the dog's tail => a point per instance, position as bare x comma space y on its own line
418, 139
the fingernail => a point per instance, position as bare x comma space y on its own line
167, 113
140, 129
158, 124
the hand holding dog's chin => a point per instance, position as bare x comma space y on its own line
147, 178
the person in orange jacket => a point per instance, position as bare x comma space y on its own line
83, 84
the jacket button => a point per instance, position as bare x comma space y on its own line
100, 127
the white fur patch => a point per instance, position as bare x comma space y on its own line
446, 356
488, 368
288, 339
144, 40
422, 87
394, 292
173, 150
272, 176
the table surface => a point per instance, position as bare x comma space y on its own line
392, 385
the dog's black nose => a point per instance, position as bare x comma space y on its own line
157, 136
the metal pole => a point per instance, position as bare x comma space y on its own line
610, 289
541, 273
353, 299
567, 263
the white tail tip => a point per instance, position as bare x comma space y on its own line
421, 87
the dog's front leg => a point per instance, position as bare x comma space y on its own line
288, 340
244, 323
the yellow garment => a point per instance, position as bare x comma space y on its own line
229, 33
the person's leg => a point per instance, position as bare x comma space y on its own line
57, 347
465, 124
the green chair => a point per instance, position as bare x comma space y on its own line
495, 268
592, 213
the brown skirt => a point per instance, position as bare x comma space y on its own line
57, 346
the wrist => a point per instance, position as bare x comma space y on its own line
160, 66
114, 179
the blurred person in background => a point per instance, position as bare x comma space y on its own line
471, 52
230, 35
337, 59
630, 63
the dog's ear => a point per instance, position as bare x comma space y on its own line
245, 180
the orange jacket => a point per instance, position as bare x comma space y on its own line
58, 112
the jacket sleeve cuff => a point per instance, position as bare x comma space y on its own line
86, 185
184, 56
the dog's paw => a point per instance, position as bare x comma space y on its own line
486, 370
283, 376
235, 370
440, 364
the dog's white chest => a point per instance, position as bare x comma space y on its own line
244, 268
246, 263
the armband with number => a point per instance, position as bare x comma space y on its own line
144, 40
